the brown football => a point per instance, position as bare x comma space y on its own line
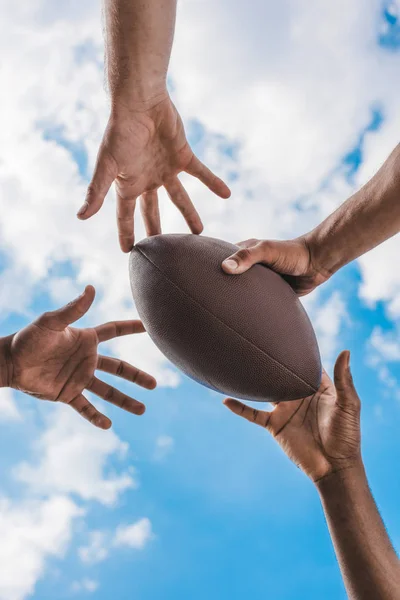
247, 336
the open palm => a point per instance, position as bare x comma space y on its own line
320, 433
53, 361
142, 151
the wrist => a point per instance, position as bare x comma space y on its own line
325, 258
344, 478
5, 361
138, 98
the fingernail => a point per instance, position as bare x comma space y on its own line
231, 264
348, 359
82, 209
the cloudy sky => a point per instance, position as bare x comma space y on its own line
297, 104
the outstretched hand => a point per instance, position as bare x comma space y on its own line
50, 360
143, 150
320, 433
293, 259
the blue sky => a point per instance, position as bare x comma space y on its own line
230, 516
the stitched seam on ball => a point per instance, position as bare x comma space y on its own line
225, 324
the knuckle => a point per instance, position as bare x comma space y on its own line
264, 245
266, 421
109, 395
85, 410
91, 191
44, 316
243, 255
120, 368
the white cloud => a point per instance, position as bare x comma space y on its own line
136, 535
8, 407
385, 344
327, 317
30, 533
383, 348
71, 458
164, 445
85, 585
95, 551
381, 280
276, 91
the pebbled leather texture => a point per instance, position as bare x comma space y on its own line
247, 336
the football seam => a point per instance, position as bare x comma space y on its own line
225, 324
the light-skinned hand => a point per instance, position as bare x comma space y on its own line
143, 150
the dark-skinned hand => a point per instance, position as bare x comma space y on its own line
293, 259
51, 360
320, 433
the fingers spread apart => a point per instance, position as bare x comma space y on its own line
260, 417
126, 371
114, 396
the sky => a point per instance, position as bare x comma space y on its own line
296, 104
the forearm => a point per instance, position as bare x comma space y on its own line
5, 361
367, 559
139, 35
365, 220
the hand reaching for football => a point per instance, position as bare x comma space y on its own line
143, 150
320, 433
293, 259
50, 360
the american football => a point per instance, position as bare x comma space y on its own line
246, 336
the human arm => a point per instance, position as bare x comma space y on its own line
50, 360
367, 559
321, 434
144, 146
365, 220
138, 41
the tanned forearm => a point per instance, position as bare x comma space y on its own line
367, 559
139, 35
368, 218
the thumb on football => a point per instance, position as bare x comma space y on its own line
249, 255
